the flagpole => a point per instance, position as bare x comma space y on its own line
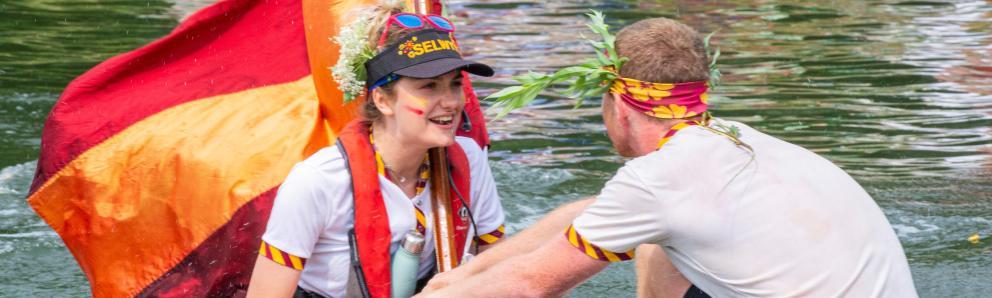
419, 6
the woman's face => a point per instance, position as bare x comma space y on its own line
427, 111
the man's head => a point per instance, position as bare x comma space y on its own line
660, 51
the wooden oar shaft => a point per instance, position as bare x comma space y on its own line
444, 233
443, 225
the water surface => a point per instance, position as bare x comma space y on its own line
897, 93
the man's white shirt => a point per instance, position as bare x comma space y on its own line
785, 223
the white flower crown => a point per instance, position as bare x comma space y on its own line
350, 72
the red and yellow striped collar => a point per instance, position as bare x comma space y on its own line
671, 131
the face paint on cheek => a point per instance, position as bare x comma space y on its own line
419, 103
417, 111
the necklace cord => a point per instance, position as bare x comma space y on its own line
471, 218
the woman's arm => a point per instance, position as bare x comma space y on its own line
270, 279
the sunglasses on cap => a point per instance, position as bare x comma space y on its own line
416, 21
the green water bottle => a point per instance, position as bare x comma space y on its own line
406, 263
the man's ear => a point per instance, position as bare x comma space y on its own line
381, 103
621, 110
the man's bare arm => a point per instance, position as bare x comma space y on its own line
549, 271
550, 226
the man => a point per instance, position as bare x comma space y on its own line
735, 211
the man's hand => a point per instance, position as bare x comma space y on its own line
550, 270
442, 280
548, 228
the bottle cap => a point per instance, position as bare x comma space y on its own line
413, 242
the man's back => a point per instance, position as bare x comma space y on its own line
783, 223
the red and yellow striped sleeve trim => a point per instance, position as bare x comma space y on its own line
491, 237
594, 251
281, 257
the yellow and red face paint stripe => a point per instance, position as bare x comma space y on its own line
594, 251
417, 111
281, 257
419, 104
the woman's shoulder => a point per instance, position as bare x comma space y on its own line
318, 183
324, 167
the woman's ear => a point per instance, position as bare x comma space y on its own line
381, 102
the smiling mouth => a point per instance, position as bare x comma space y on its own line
442, 120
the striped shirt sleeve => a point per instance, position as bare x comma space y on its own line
594, 251
491, 237
281, 257
624, 215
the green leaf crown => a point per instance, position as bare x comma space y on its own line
586, 80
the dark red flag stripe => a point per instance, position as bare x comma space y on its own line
218, 50
220, 266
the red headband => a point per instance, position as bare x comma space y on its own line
666, 101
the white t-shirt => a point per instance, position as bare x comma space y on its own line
313, 212
786, 224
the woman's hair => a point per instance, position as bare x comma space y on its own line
379, 15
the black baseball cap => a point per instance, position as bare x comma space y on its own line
422, 54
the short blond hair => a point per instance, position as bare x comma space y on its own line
662, 50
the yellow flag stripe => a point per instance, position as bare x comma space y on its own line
158, 160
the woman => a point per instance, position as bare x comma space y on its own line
376, 184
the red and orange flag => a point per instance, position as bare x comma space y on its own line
158, 167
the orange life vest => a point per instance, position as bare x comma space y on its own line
371, 228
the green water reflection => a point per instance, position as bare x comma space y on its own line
898, 93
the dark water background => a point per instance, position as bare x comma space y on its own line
898, 93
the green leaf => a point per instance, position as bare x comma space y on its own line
573, 70
506, 92
602, 59
582, 81
598, 45
715, 75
